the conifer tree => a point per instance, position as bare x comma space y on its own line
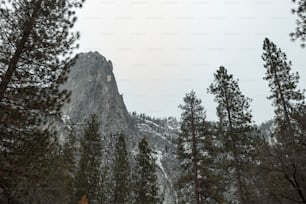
146, 190
41, 189
55, 178
105, 193
35, 48
69, 166
287, 154
235, 125
121, 173
194, 152
89, 168
106, 184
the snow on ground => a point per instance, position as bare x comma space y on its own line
146, 128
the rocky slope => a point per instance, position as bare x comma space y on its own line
162, 134
94, 90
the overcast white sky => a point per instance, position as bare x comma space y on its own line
162, 49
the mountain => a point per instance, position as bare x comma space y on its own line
162, 134
94, 91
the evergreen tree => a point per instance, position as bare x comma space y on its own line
69, 166
287, 154
35, 47
146, 190
53, 189
47, 187
235, 129
194, 152
121, 173
89, 168
50, 187
106, 185
105, 193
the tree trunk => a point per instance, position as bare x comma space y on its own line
236, 159
290, 133
20, 45
238, 177
195, 161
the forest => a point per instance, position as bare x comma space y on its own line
226, 161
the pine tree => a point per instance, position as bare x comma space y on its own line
300, 31
146, 190
69, 166
35, 47
55, 179
36, 189
194, 152
89, 168
105, 193
106, 184
235, 125
121, 173
34, 34
288, 152
50, 187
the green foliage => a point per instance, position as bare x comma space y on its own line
121, 173
35, 48
286, 154
235, 133
89, 167
105, 193
195, 146
282, 82
48, 187
146, 190
69, 166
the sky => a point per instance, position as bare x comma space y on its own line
163, 49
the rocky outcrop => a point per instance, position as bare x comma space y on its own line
94, 91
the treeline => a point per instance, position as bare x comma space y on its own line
225, 163
36, 47
80, 168
230, 161
159, 121
120, 180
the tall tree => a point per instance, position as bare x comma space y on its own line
146, 190
289, 148
44, 182
35, 47
121, 173
69, 165
194, 151
89, 168
300, 31
35, 41
106, 187
105, 193
235, 122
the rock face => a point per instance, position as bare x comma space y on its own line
161, 134
94, 91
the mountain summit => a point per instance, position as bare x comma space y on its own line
94, 91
